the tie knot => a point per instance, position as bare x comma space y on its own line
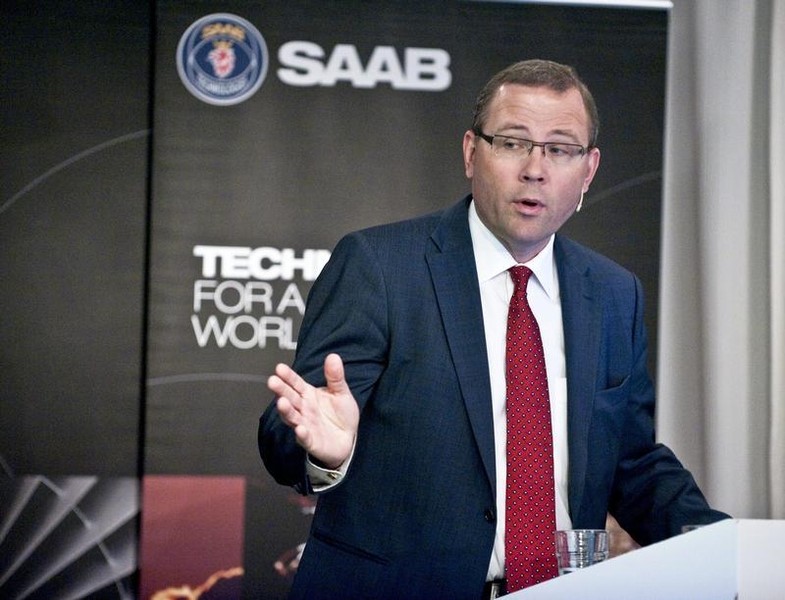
520, 276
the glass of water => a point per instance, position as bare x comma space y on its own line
579, 548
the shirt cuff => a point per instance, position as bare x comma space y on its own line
322, 479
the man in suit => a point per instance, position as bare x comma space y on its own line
394, 410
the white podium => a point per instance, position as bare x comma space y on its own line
732, 559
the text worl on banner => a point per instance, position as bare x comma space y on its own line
247, 297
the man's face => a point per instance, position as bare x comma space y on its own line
524, 201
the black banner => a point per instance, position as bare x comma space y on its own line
277, 127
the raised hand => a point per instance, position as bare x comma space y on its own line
324, 419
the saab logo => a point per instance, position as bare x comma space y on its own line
422, 69
222, 59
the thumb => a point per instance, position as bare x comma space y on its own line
334, 374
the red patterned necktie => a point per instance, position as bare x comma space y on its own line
531, 510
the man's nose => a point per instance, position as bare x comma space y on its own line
533, 165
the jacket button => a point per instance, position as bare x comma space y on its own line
490, 515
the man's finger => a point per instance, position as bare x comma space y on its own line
334, 374
282, 389
291, 378
289, 414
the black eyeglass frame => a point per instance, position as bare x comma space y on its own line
489, 138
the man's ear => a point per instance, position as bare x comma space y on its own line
469, 148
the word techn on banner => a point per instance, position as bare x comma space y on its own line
247, 297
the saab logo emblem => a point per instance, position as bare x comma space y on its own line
222, 59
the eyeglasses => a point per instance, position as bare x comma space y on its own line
559, 153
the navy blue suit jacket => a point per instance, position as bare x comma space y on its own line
415, 514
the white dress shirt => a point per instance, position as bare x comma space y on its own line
496, 288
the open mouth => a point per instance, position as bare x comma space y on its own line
529, 203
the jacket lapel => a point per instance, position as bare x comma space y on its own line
453, 272
454, 276
582, 320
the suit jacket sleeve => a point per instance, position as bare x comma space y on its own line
346, 314
616, 465
653, 494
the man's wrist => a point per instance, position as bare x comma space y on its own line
321, 476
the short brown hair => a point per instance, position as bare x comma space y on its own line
538, 73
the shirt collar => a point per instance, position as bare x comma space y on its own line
492, 258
